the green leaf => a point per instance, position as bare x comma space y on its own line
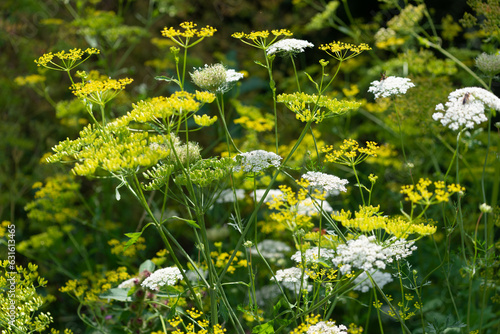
120, 294
311, 79
147, 265
266, 328
259, 63
192, 223
164, 78
134, 236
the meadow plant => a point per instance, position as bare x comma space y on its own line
270, 234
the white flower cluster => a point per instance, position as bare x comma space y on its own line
465, 108
330, 184
130, 283
308, 208
215, 78
311, 255
364, 253
290, 278
257, 161
269, 198
289, 46
272, 249
227, 195
364, 284
327, 327
161, 277
390, 86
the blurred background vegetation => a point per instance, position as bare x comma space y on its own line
65, 224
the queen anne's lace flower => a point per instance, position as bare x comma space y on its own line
364, 284
311, 255
330, 184
161, 277
257, 161
465, 108
390, 86
290, 278
308, 208
366, 254
289, 46
327, 327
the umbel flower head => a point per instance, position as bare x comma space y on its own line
465, 108
161, 277
327, 327
390, 86
330, 184
489, 64
257, 161
289, 46
215, 78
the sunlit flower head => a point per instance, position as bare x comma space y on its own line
215, 78
390, 86
166, 276
343, 51
292, 278
465, 108
257, 161
327, 327
330, 184
67, 59
366, 253
289, 46
189, 30
259, 39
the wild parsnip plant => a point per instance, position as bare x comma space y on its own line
273, 234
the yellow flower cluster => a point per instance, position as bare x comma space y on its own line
343, 51
252, 119
204, 325
99, 91
204, 120
321, 274
311, 107
119, 150
118, 247
369, 219
310, 320
350, 154
189, 31
29, 80
221, 259
69, 59
287, 216
420, 194
88, 289
26, 301
179, 104
262, 34
55, 201
259, 38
